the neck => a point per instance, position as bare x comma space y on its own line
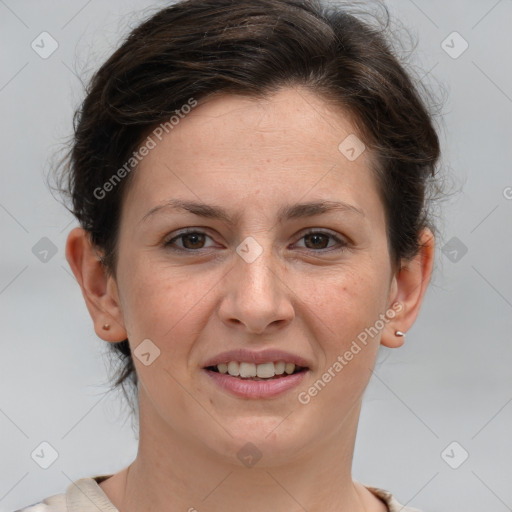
176, 472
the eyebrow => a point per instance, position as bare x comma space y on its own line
288, 212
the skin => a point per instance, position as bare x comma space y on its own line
251, 157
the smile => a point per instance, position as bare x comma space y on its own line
247, 382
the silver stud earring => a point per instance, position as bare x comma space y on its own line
399, 333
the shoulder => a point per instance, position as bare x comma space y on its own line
55, 503
391, 502
83, 495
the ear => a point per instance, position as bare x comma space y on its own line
407, 289
99, 290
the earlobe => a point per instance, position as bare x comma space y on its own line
399, 339
393, 337
99, 292
408, 289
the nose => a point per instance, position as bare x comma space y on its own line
255, 296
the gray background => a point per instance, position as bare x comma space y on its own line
452, 380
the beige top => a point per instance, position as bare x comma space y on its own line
85, 495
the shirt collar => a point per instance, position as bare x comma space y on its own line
85, 495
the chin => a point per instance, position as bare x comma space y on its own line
260, 442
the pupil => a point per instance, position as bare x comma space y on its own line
194, 236
316, 237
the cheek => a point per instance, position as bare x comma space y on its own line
165, 304
347, 302
345, 317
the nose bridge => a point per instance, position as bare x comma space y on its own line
257, 266
255, 294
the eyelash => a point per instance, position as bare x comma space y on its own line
169, 243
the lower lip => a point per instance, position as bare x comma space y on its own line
256, 388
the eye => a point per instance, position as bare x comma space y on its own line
191, 240
317, 240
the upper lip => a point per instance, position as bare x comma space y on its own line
257, 357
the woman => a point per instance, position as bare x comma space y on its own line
251, 182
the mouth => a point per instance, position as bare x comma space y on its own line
251, 374
263, 381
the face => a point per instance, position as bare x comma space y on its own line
308, 285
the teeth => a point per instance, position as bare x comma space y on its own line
289, 368
233, 368
265, 370
247, 370
279, 367
262, 371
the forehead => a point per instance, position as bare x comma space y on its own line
241, 147
291, 119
